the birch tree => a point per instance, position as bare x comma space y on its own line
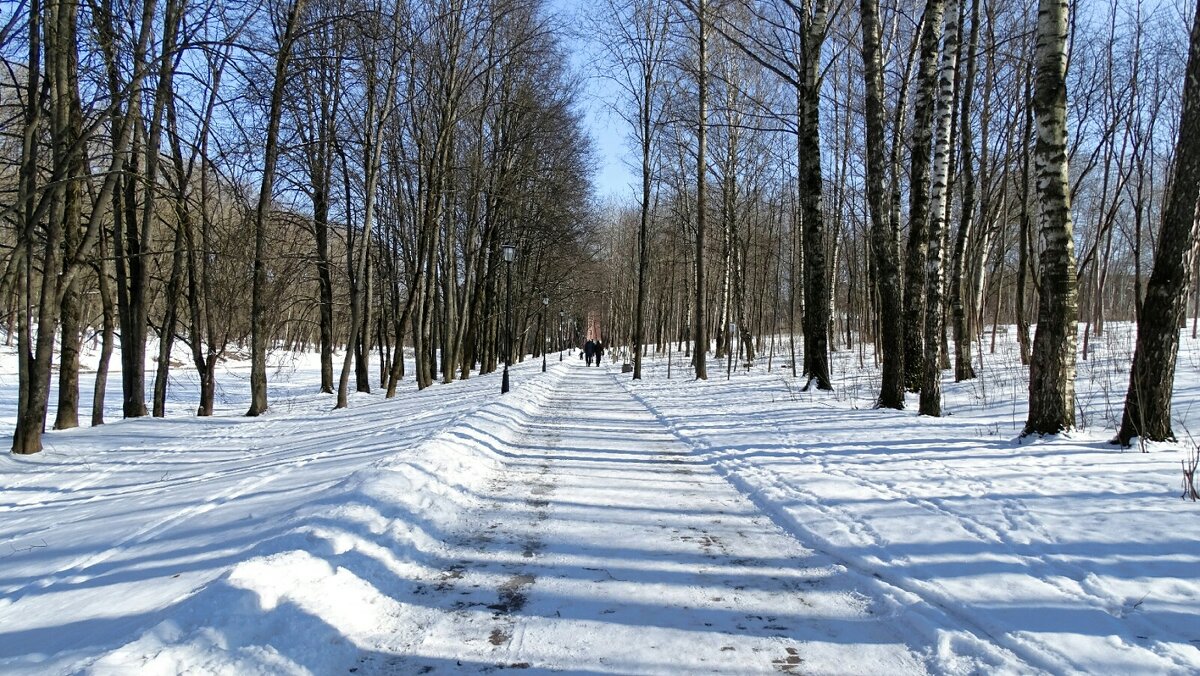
1052, 364
939, 197
883, 233
918, 205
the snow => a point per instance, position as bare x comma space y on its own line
585, 523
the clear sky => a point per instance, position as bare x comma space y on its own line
613, 177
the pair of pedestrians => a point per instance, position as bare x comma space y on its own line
592, 351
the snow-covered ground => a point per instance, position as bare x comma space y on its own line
588, 524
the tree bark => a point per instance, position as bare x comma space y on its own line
68, 110
699, 318
376, 114
817, 299
960, 287
1052, 368
918, 209
1025, 226
109, 319
1147, 413
258, 310
883, 234
939, 197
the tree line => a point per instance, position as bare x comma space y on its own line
247, 175
904, 178
913, 175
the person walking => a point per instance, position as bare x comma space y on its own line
589, 350
598, 349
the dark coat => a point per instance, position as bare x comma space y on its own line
589, 348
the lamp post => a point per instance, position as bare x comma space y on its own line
729, 348
561, 313
545, 304
509, 252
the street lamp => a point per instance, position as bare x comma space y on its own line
729, 348
509, 252
561, 313
545, 304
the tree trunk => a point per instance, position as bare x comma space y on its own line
883, 234
325, 285
67, 413
939, 197
960, 287
1025, 227
1052, 369
375, 115
643, 258
1148, 402
362, 350
109, 319
817, 300
27, 437
699, 319
71, 122
258, 309
918, 204
166, 337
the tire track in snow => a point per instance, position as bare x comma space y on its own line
603, 545
936, 613
1065, 578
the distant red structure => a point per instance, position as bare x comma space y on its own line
593, 326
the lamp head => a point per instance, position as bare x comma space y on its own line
509, 251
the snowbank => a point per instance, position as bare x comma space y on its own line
334, 566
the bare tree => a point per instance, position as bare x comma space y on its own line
883, 233
43, 206
1147, 411
939, 199
699, 319
1052, 366
636, 50
380, 91
258, 309
918, 210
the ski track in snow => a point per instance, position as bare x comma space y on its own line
801, 470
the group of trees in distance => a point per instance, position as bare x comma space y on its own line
913, 174
298, 174
240, 176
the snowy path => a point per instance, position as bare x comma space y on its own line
588, 524
604, 546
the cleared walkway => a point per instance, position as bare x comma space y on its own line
605, 539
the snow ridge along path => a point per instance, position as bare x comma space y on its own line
602, 545
162, 524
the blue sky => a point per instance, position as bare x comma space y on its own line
613, 178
